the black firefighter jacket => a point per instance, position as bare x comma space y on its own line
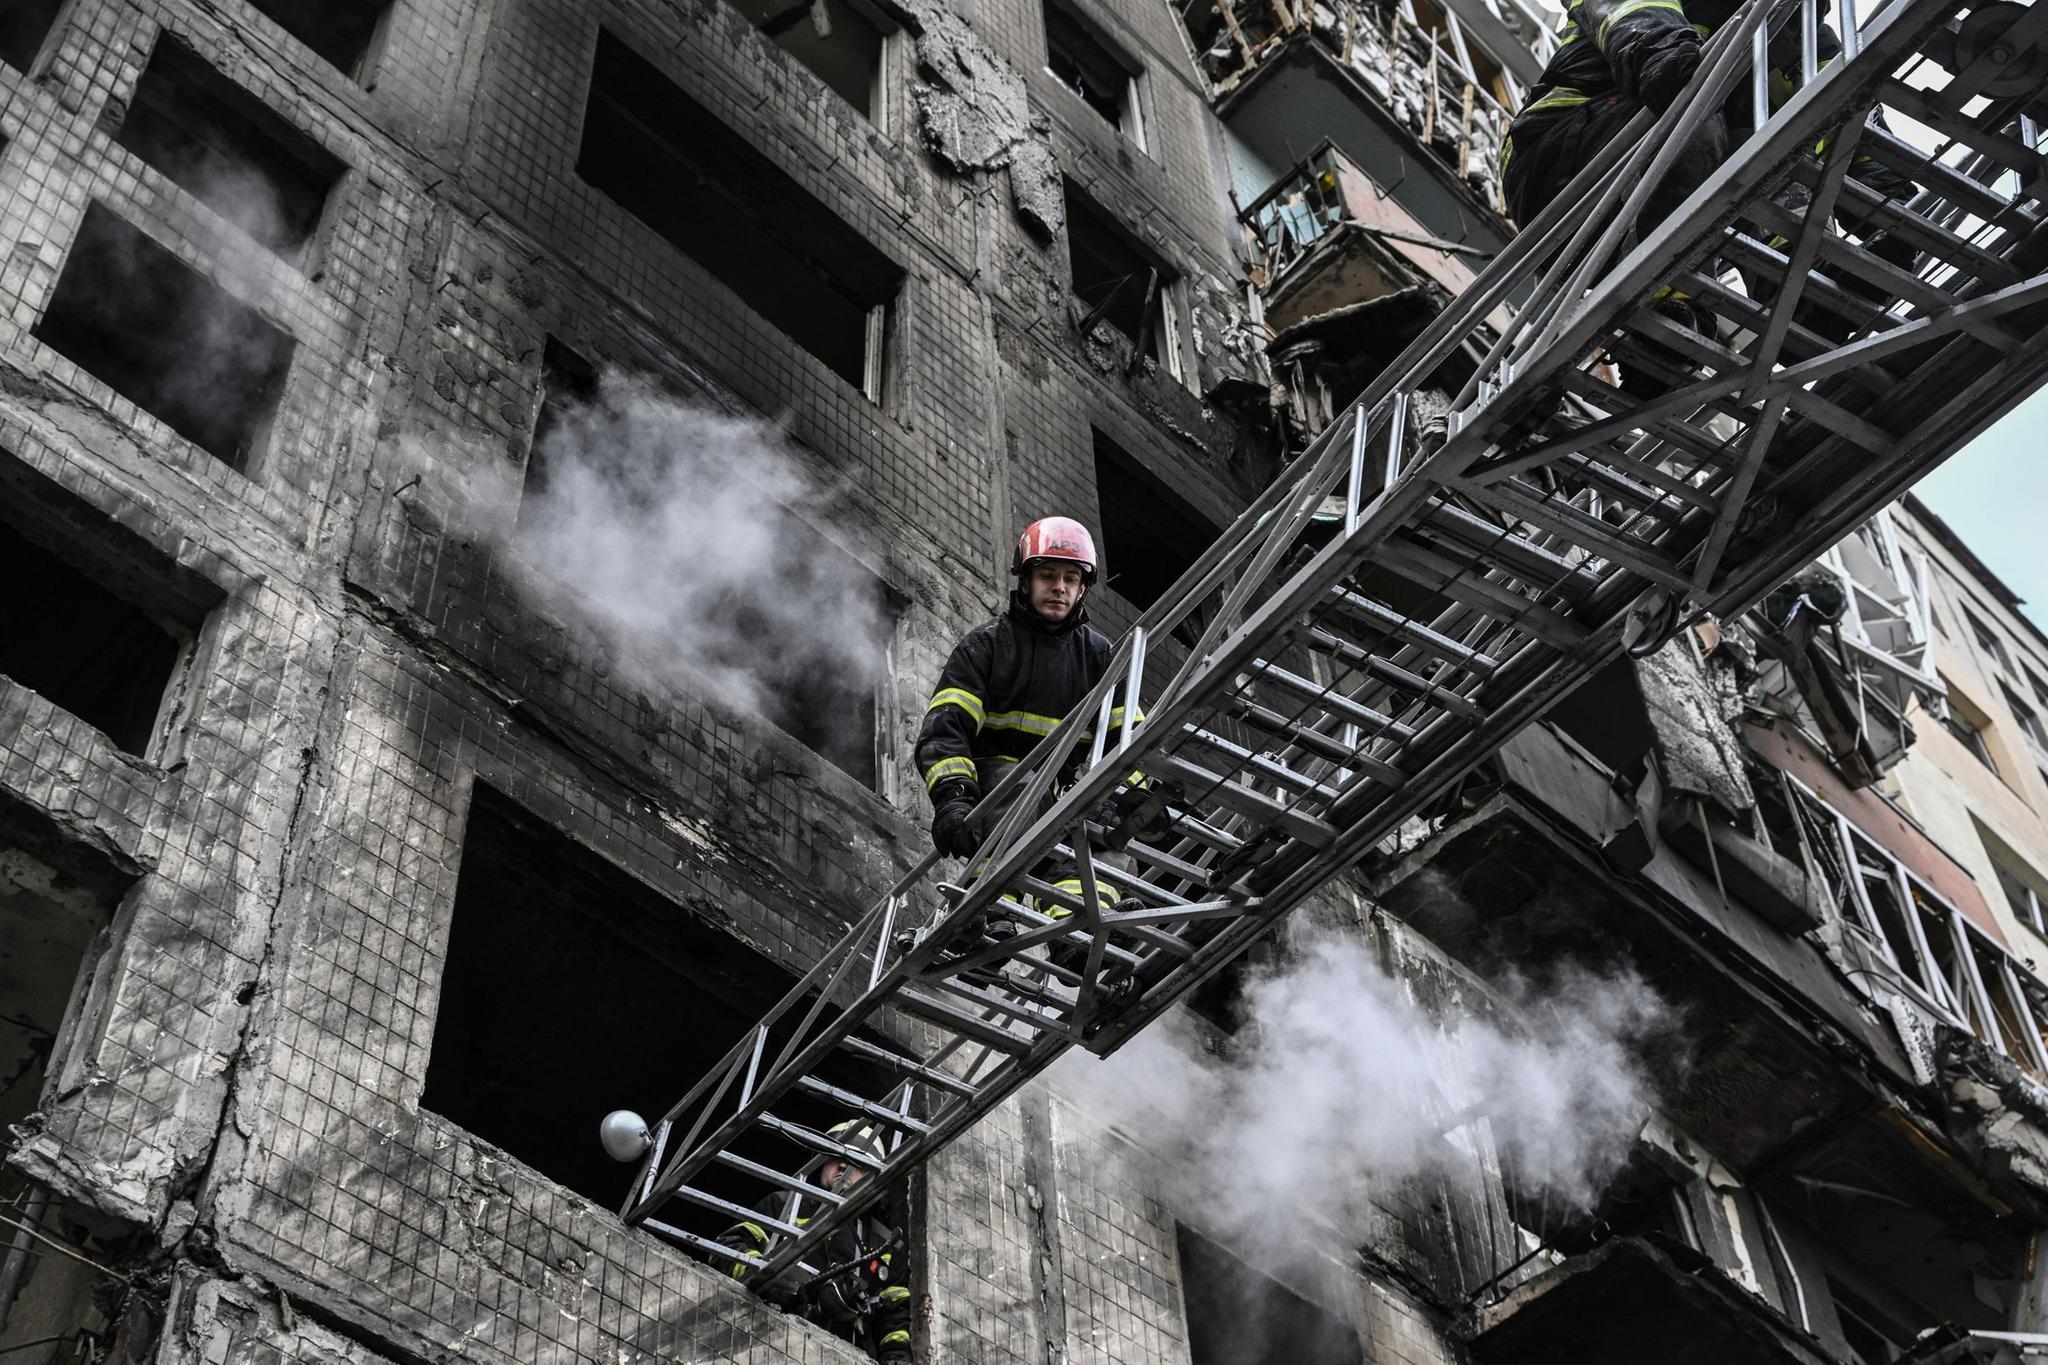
1007, 686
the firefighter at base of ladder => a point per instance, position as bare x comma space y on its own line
1007, 685
1613, 58
856, 1295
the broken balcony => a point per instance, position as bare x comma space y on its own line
1348, 277
1533, 870
1428, 69
1327, 235
1589, 847
1604, 1308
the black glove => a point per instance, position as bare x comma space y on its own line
842, 1297
953, 830
1663, 73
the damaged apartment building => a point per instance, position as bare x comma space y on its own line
353, 864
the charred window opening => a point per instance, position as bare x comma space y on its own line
1105, 79
57, 901
567, 382
92, 618
228, 149
23, 26
844, 43
669, 162
67, 638
1118, 282
346, 34
571, 989
1606, 715
829, 710
1150, 534
167, 339
1238, 1316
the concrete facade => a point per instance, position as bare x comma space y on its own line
230, 902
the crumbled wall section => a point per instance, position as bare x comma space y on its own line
1690, 710
975, 114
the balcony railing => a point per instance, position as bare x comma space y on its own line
1916, 940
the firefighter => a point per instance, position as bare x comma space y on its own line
1007, 685
855, 1293
1616, 57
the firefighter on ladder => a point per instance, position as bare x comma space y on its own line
1007, 685
856, 1294
1614, 58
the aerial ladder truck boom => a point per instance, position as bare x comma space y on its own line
1409, 595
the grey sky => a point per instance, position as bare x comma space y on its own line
1994, 494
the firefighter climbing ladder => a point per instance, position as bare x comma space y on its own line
1413, 592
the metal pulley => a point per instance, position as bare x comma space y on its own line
1982, 38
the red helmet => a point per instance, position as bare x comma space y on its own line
1060, 538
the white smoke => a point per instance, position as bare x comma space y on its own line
670, 521
1340, 1082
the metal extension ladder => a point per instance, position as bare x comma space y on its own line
1411, 594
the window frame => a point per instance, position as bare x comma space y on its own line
1130, 122
1166, 326
1987, 640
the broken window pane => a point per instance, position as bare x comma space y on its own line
66, 637
342, 33
23, 26
1119, 283
1239, 1316
570, 989
167, 338
1150, 534
228, 149
841, 41
669, 162
1105, 80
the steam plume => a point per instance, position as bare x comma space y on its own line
1341, 1082
669, 520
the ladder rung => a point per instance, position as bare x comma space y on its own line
1585, 530
1018, 1004
1326, 747
1265, 766
1801, 341
947, 1016
1177, 866
1426, 568
1335, 702
1524, 558
1245, 801
1351, 656
775, 1177
1412, 632
907, 1066
1929, 237
1635, 477
879, 1112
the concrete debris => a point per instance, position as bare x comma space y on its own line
974, 114
1689, 715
